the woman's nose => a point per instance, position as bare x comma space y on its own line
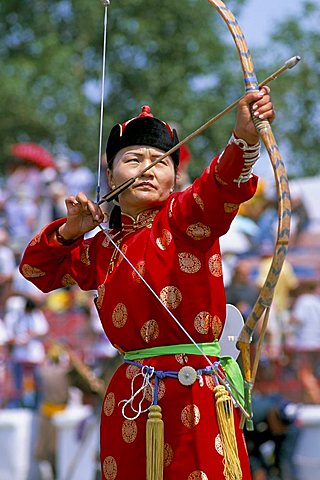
149, 172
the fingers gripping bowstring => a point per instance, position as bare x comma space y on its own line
106, 4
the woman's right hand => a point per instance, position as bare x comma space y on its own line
83, 215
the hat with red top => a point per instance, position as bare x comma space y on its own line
144, 129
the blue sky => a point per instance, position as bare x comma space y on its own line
259, 17
257, 21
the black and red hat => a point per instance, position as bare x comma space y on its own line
144, 129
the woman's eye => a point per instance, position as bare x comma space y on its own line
132, 159
163, 162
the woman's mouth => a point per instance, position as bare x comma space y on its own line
146, 185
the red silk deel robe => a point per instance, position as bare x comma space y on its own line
176, 250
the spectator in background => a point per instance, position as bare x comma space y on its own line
305, 317
267, 223
241, 292
274, 421
106, 358
57, 192
279, 312
21, 212
23, 175
305, 321
55, 395
7, 267
300, 217
3, 353
78, 177
26, 326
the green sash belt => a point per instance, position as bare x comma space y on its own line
230, 366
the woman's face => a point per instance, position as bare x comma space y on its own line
152, 188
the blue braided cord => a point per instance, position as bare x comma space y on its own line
155, 390
160, 374
173, 373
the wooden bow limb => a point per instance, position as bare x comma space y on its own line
263, 303
292, 62
264, 300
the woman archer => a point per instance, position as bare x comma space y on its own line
169, 240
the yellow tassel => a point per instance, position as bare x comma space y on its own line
224, 408
155, 443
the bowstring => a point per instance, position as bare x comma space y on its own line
105, 3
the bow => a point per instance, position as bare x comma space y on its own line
263, 303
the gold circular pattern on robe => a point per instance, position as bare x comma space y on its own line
210, 382
167, 454
198, 201
216, 326
124, 249
141, 268
106, 242
133, 370
230, 207
215, 265
109, 404
218, 444
161, 390
149, 331
119, 315
181, 358
198, 231
129, 431
171, 297
164, 241
197, 475
85, 255
110, 468
101, 291
189, 263
32, 272
202, 322
67, 280
190, 416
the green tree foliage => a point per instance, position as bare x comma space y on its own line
172, 55
47, 51
297, 94
177, 56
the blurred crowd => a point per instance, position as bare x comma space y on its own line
51, 343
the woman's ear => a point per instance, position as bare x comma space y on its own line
110, 177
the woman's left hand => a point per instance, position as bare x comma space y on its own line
262, 108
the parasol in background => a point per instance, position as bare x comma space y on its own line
34, 154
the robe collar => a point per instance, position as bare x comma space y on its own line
144, 219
